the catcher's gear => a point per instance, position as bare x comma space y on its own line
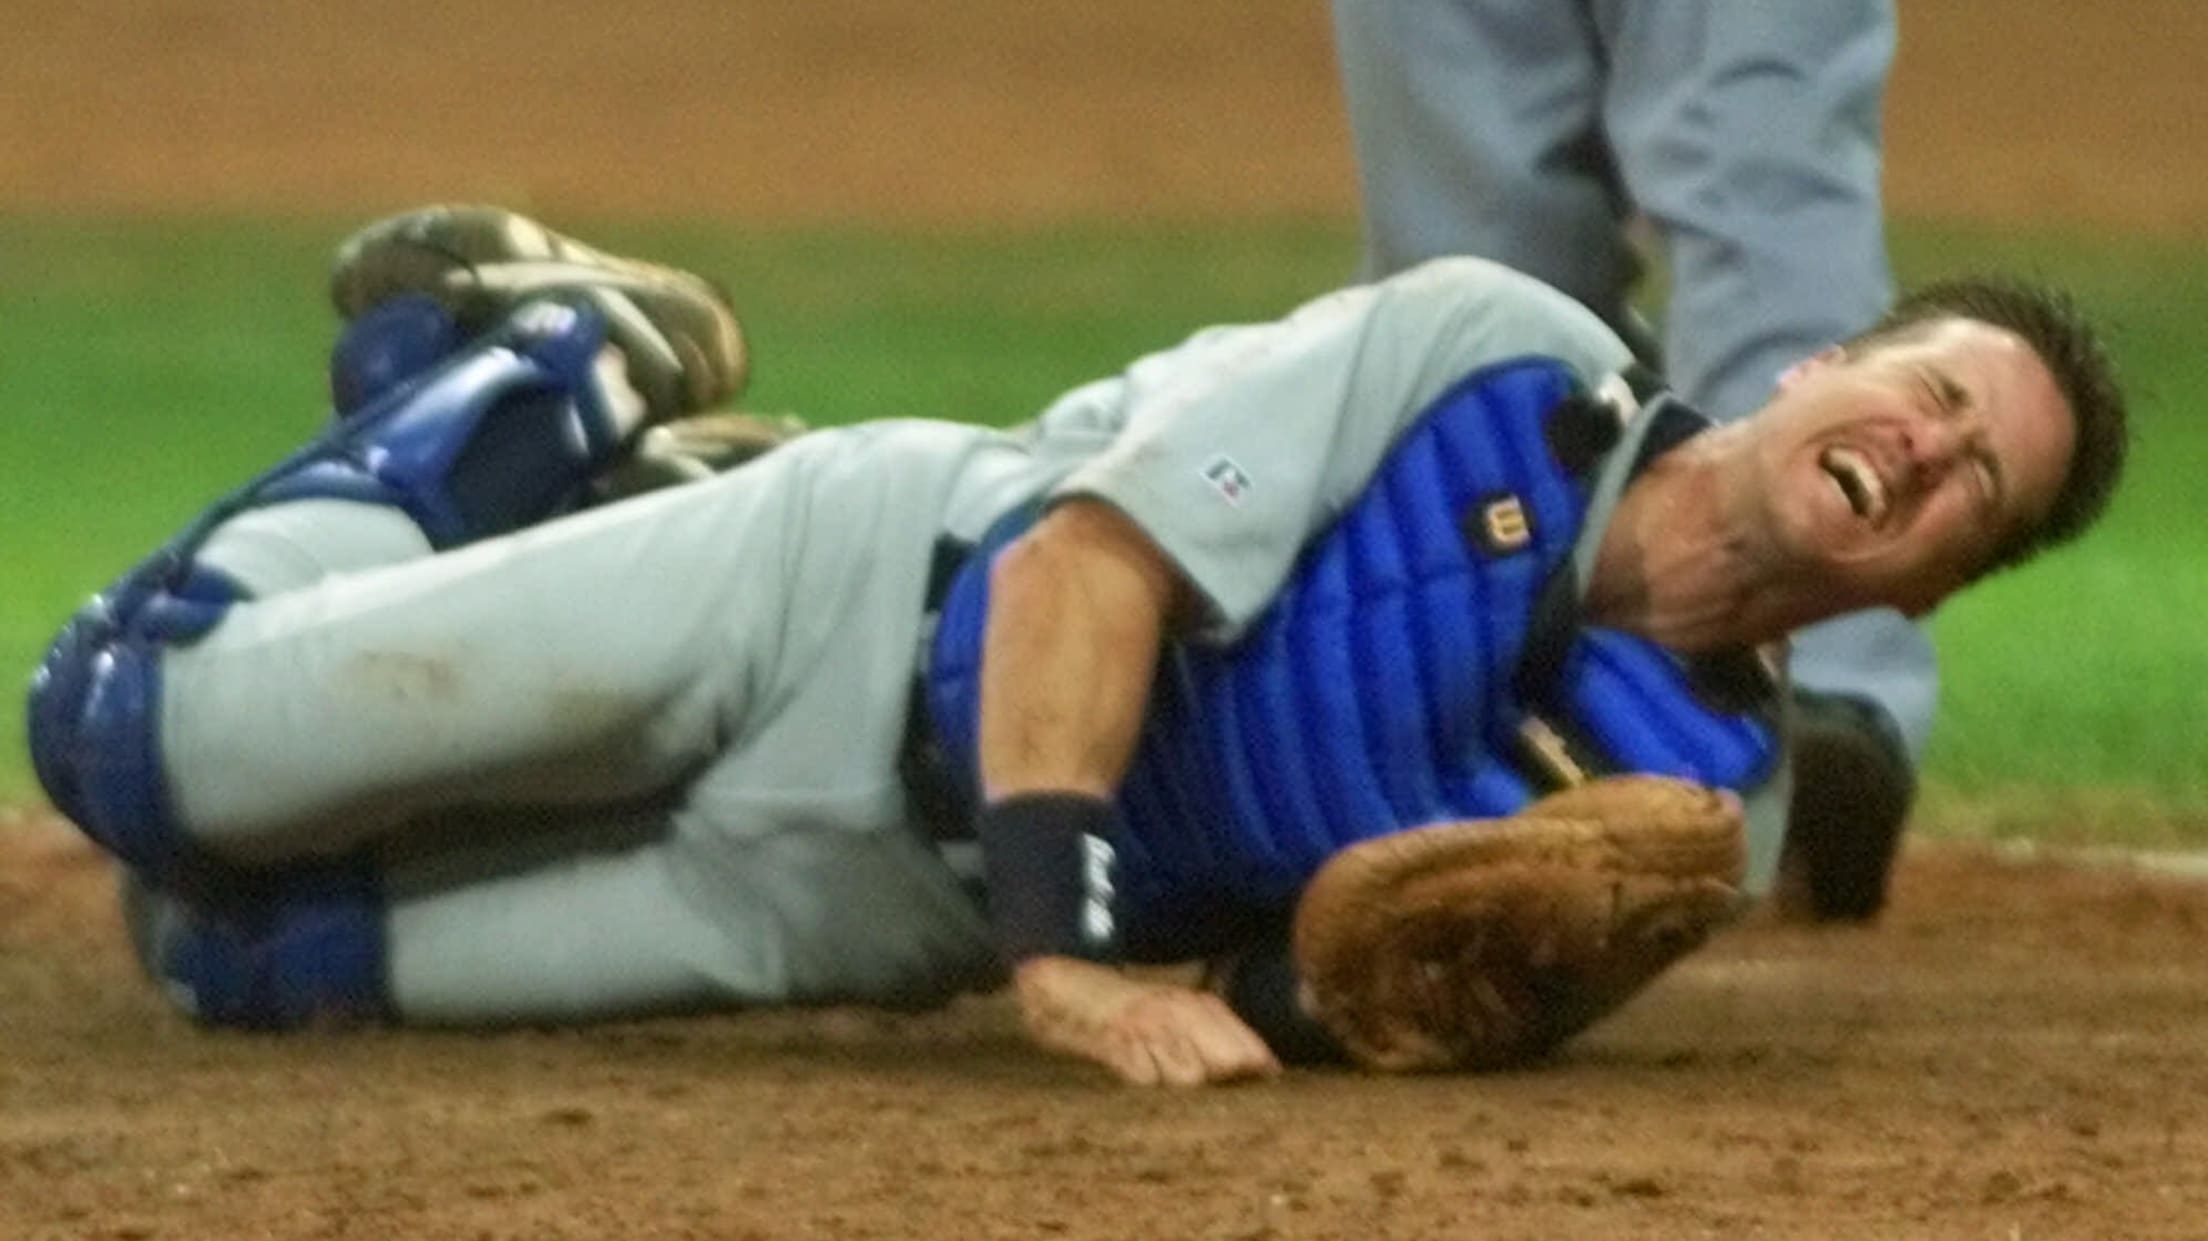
499, 439
388, 345
1483, 943
95, 707
266, 951
1377, 688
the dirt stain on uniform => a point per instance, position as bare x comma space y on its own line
404, 676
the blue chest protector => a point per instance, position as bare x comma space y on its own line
1383, 688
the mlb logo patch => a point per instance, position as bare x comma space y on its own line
1228, 479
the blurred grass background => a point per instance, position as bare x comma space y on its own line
150, 363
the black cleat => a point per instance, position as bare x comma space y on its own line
1853, 787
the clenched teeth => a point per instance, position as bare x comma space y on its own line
1865, 490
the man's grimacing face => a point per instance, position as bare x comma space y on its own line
1899, 468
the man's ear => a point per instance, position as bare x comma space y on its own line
1830, 355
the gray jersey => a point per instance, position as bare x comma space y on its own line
1234, 449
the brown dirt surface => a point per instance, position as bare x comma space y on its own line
966, 115
2016, 1052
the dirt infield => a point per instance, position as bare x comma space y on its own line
2016, 1053
982, 113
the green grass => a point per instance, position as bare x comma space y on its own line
149, 364
2073, 690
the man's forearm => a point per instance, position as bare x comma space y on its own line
1077, 611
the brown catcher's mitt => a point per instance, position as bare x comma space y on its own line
1483, 943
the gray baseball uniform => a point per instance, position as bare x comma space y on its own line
1528, 131
646, 756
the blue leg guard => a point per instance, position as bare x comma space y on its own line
271, 952
501, 436
95, 708
498, 437
388, 346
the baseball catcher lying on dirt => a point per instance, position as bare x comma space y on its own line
1411, 661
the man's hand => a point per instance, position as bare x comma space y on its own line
1149, 1033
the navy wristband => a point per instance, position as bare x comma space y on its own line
1046, 859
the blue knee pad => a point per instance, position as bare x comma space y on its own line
267, 952
387, 347
95, 708
497, 437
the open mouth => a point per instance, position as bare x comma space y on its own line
1851, 471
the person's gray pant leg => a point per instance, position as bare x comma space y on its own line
1749, 134
1476, 126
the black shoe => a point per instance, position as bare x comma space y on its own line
1853, 786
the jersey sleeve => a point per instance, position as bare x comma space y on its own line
1233, 450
